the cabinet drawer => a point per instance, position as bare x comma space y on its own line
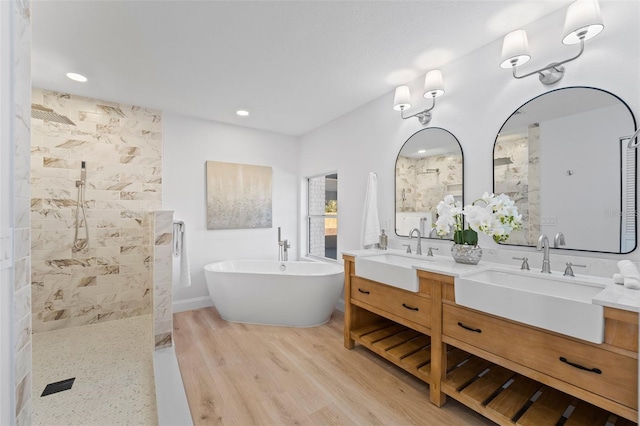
399, 302
614, 376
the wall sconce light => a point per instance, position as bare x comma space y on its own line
433, 87
582, 22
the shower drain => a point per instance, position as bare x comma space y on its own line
58, 387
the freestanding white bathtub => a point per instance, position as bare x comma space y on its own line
294, 294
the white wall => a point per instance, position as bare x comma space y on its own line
562, 196
7, 379
479, 97
190, 142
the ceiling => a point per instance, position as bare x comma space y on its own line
295, 65
559, 104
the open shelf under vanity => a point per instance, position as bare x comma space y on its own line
501, 395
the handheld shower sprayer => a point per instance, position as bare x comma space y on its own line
78, 243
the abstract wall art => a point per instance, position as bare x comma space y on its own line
238, 196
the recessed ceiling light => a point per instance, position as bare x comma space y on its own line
77, 77
242, 113
422, 151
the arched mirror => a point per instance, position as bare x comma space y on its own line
429, 166
563, 158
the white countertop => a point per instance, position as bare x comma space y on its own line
437, 264
618, 296
613, 295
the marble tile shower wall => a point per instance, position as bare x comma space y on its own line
519, 179
162, 234
422, 183
122, 147
21, 84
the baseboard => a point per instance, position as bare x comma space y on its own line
191, 304
205, 302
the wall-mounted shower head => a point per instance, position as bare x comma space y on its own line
83, 172
43, 113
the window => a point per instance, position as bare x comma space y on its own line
323, 216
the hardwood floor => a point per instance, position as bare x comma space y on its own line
241, 374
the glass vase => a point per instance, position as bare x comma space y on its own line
467, 254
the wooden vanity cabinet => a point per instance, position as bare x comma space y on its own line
605, 375
394, 323
469, 355
410, 309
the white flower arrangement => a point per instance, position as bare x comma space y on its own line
497, 218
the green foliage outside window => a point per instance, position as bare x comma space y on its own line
331, 206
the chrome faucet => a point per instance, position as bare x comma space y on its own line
558, 240
543, 245
284, 246
419, 246
432, 230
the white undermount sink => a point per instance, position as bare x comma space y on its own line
555, 303
391, 269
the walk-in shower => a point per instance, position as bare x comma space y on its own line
81, 243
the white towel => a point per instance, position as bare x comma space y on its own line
630, 273
618, 279
370, 218
181, 244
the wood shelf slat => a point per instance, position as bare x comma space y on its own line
624, 422
371, 328
408, 348
586, 414
508, 402
383, 333
489, 384
547, 409
455, 356
418, 359
462, 375
395, 340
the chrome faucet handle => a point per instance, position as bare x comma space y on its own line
525, 262
568, 272
429, 252
408, 246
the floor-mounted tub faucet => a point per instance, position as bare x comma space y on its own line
283, 248
543, 245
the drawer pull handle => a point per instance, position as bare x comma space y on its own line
477, 330
409, 307
593, 370
364, 291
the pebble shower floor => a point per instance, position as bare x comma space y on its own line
112, 364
